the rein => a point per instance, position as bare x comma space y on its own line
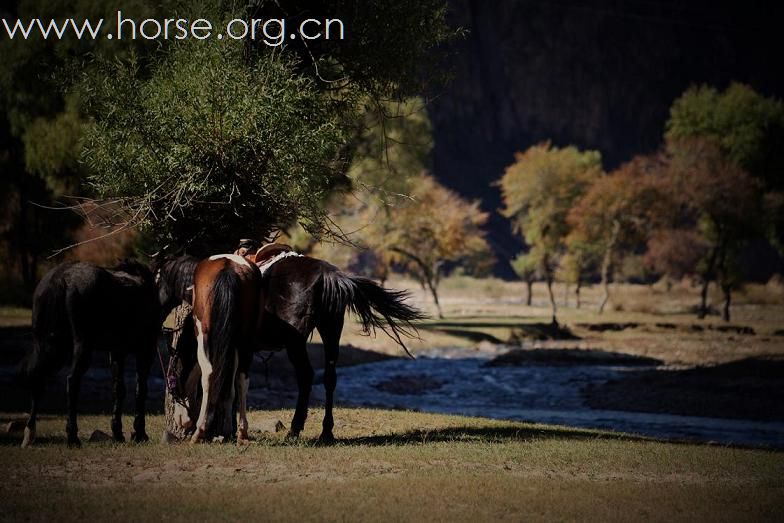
181, 313
265, 361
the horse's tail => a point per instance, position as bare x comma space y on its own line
222, 331
48, 316
375, 306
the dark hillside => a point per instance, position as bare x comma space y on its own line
597, 74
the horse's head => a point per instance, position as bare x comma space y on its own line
174, 278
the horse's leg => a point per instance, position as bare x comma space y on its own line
143, 364
117, 361
206, 374
81, 360
37, 386
330, 335
242, 382
298, 355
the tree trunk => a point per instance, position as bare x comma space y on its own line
530, 287
607, 262
710, 274
566, 294
434, 293
703, 310
552, 298
577, 293
725, 313
22, 238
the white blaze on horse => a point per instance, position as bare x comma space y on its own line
226, 292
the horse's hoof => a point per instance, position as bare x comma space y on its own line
29, 437
198, 437
118, 437
74, 443
326, 438
292, 436
242, 437
139, 437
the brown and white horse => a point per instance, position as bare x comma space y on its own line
295, 295
226, 290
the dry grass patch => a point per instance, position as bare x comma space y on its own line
392, 466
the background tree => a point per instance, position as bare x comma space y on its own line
575, 266
718, 201
41, 125
746, 127
538, 190
391, 152
526, 267
613, 217
432, 231
675, 253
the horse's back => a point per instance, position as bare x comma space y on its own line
94, 304
290, 291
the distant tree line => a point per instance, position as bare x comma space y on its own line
689, 209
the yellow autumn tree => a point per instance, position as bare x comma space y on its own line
434, 230
538, 190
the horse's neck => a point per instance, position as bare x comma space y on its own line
125, 279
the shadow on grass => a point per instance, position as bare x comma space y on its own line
470, 335
519, 331
488, 434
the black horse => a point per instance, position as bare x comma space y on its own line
79, 308
300, 294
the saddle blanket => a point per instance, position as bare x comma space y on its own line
275, 259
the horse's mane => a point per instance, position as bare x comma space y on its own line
134, 268
177, 271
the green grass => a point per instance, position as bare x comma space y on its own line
389, 465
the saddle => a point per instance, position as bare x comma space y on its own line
269, 251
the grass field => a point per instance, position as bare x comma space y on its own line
402, 466
389, 465
667, 329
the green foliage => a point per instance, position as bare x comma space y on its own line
392, 149
538, 191
209, 146
526, 266
389, 50
748, 127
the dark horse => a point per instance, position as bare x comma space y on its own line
79, 308
299, 294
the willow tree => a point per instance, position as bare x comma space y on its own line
538, 190
204, 141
